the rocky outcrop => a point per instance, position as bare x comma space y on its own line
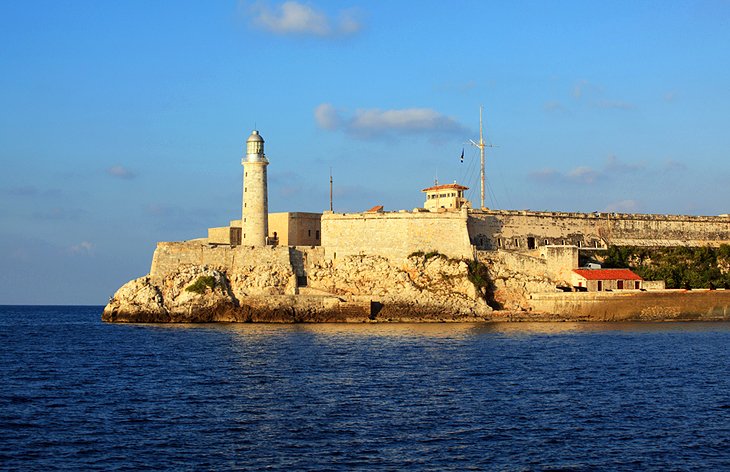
421, 286
515, 277
352, 289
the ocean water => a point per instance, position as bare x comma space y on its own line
78, 394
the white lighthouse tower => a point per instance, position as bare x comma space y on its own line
255, 193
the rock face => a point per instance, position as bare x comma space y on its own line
420, 286
515, 277
354, 288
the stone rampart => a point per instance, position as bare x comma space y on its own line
664, 305
521, 230
395, 235
170, 256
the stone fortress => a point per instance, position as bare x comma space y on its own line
346, 260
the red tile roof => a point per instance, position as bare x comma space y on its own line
445, 186
375, 209
607, 274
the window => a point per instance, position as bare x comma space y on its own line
317, 235
637, 286
600, 285
517, 243
620, 284
530, 243
547, 242
499, 242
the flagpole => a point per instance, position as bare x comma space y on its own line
481, 145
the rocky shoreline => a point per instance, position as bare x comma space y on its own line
423, 288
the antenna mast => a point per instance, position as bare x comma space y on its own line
331, 189
481, 145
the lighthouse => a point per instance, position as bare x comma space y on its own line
255, 193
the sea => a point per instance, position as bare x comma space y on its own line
80, 394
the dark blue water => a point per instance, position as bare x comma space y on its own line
77, 394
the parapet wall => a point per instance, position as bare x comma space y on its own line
170, 256
395, 235
636, 306
520, 230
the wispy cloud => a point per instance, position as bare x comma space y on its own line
121, 172
670, 96
592, 95
616, 166
58, 213
296, 18
178, 217
84, 247
553, 106
583, 174
586, 174
584, 88
671, 165
31, 191
614, 104
627, 206
376, 122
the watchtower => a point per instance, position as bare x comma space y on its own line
255, 193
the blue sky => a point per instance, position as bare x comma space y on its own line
123, 123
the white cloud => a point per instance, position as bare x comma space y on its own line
583, 174
588, 175
375, 122
326, 116
84, 247
625, 206
615, 165
121, 172
292, 17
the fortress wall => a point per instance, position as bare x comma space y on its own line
617, 306
395, 235
170, 256
494, 229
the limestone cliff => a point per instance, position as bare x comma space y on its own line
514, 277
354, 288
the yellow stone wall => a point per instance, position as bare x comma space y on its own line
395, 235
505, 229
296, 228
169, 256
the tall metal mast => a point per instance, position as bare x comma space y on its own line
331, 189
481, 145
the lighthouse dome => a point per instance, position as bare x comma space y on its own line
255, 148
255, 137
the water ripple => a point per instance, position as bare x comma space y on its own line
80, 394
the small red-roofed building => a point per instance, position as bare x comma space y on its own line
446, 196
600, 280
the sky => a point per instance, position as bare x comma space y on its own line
123, 123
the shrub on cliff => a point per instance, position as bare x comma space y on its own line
203, 282
426, 255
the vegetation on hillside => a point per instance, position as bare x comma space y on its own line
679, 267
203, 282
